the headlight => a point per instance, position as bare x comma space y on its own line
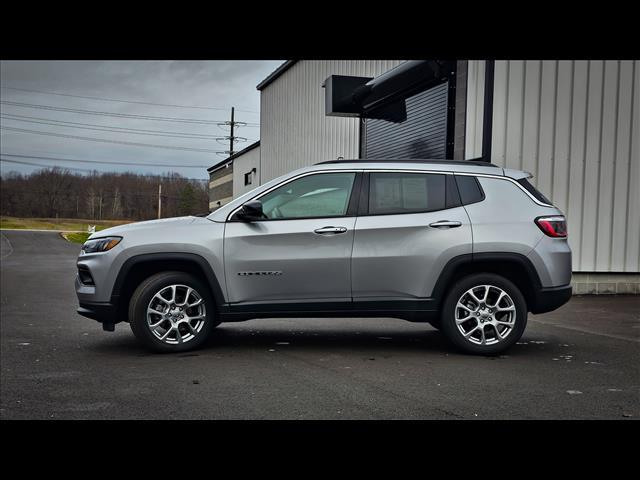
100, 244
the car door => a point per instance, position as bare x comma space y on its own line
301, 251
411, 224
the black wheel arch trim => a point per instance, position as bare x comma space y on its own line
200, 261
447, 276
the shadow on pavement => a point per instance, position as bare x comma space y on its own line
229, 337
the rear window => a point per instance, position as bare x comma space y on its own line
470, 191
392, 193
533, 191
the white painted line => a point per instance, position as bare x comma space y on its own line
10, 247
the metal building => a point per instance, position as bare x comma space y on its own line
573, 124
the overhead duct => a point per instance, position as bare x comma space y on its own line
359, 96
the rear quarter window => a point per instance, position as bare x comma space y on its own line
534, 191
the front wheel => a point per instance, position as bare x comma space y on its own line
484, 314
172, 312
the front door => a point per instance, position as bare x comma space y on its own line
301, 251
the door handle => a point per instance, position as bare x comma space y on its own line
445, 224
330, 230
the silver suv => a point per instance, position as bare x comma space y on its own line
467, 246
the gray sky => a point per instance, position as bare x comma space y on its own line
220, 84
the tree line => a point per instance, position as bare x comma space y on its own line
59, 193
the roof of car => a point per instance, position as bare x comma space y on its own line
478, 162
463, 166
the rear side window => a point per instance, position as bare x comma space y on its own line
534, 191
470, 190
392, 193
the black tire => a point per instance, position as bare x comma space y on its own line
143, 296
449, 326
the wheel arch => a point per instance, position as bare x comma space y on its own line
513, 266
139, 267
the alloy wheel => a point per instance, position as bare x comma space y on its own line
176, 314
485, 315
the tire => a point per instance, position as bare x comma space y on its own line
500, 325
182, 333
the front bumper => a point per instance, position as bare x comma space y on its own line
101, 312
548, 299
105, 313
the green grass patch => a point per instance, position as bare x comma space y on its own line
68, 224
76, 237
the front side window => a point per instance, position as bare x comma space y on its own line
319, 195
392, 193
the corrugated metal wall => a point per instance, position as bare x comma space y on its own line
242, 165
575, 126
294, 129
423, 134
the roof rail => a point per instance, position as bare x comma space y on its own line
475, 161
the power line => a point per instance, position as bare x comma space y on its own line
124, 101
47, 166
110, 114
87, 169
109, 162
106, 126
109, 128
104, 140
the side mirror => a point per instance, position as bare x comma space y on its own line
251, 211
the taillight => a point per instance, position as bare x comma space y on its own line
555, 226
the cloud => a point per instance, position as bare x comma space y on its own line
196, 83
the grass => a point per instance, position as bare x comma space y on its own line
67, 224
76, 237
73, 229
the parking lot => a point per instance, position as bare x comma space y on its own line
579, 362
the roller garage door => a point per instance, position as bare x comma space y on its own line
422, 134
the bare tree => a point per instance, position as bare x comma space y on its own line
57, 192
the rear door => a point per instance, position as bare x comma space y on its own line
301, 252
410, 225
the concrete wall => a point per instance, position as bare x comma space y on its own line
575, 126
600, 283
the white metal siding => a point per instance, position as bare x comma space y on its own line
475, 109
295, 131
575, 126
241, 165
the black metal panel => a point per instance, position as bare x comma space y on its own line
339, 95
423, 134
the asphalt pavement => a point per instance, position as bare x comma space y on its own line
580, 362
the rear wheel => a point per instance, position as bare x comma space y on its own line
484, 314
172, 312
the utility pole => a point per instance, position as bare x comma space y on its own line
159, 200
231, 138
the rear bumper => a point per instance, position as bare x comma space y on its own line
548, 299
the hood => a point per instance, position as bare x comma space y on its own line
149, 224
